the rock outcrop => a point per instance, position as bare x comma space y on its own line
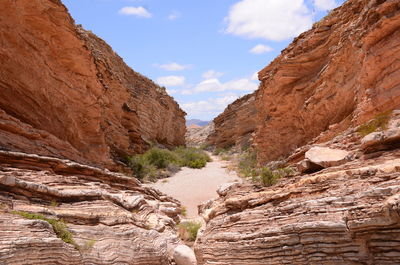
345, 214
197, 135
109, 218
339, 74
235, 126
65, 93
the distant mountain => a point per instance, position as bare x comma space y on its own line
196, 122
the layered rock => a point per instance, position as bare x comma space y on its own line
197, 135
343, 214
112, 218
65, 93
339, 74
234, 127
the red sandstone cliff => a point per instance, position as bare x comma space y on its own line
342, 72
235, 125
65, 93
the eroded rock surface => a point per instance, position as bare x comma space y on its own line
197, 135
113, 219
346, 214
65, 93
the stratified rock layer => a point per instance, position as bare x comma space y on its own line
234, 127
113, 219
348, 214
65, 93
342, 72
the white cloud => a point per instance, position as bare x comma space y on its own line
254, 76
173, 66
275, 20
171, 80
135, 11
214, 85
174, 15
208, 108
212, 74
325, 4
260, 48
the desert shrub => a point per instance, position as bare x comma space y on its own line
161, 158
192, 157
247, 164
142, 167
219, 151
197, 163
188, 230
380, 121
269, 177
158, 162
184, 211
59, 227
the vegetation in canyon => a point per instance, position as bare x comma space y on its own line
158, 163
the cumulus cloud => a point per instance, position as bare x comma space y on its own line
172, 91
260, 48
174, 15
209, 108
212, 74
214, 85
325, 4
275, 20
135, 11
171, 80
173, 66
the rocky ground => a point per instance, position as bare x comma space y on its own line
346, 211
111, 217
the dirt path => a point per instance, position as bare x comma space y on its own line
194, 186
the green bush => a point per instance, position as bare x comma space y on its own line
197, 163
156, 161
380, 121
59, 227
161, 158
189, 230
269, 177
192, 157
248, 164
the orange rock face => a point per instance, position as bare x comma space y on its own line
235, 125
65, 93
341, 73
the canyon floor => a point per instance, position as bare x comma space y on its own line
194, 186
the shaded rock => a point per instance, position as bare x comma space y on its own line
235, 126
184, 255
326, 157
66, 93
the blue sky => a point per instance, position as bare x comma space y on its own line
205, 52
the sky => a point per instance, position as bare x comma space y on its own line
205, 52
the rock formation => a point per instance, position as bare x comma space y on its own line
65, 93
197, 135
111, 218
347, 214
341, 73
235, 125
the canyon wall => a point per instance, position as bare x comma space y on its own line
315, 103
65, 93
234, 127
342, 72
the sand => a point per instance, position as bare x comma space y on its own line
194, 186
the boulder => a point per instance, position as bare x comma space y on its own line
326, 157
184, 255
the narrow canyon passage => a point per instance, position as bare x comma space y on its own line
194, 186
